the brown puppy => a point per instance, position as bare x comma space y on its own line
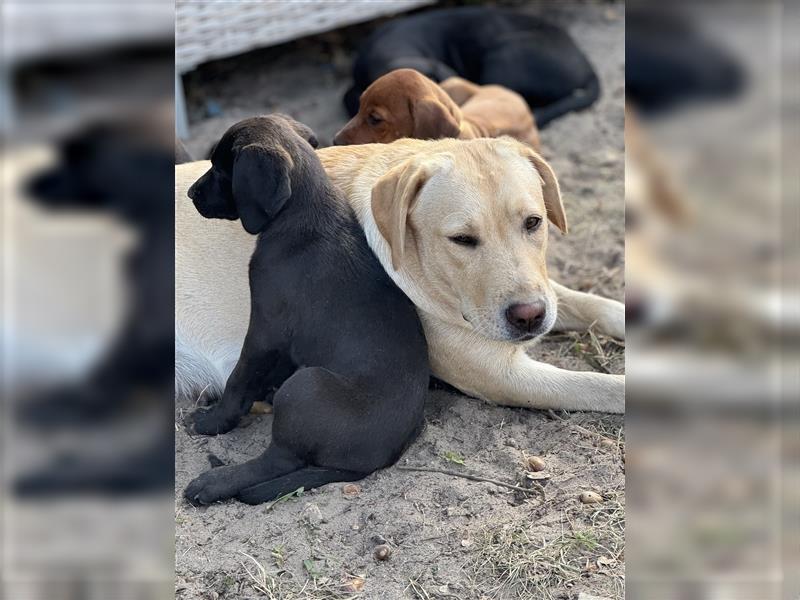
406, 104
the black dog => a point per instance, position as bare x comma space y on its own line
320, 302
536, 59
121, 167
669, 62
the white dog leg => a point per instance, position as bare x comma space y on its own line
502, 373
577, 311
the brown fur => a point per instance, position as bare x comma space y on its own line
406, 104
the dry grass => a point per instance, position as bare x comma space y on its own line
281, 585
513, 561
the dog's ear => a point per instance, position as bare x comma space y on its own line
261, 184
550, 191
434, 118
393, 198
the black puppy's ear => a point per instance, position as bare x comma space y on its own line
261, 184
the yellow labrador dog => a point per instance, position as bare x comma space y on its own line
461, 227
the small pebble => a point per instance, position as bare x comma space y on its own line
354, 585
382, 552
536, 464
261, 408
608, 443
351, 490
590, 497
312, 514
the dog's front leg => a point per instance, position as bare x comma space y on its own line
502, 373
578, 311
257, 372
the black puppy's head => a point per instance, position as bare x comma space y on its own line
252, 170
112, 166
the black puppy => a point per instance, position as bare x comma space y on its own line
121, 167
669, 61
536, 59
321, 304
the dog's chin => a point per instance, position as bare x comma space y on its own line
215, 212
501, 333
524, 338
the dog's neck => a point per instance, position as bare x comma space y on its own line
315, 208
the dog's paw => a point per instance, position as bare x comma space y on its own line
257, 494
212, 486
210, 422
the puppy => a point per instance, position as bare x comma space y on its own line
406, 104
328, 329
116, 168
520, 52
670, 62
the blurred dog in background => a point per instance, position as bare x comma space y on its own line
487, 46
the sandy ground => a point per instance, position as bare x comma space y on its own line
450, 537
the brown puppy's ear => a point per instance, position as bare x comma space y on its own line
261, 184
550, 191
393, 198
434, 118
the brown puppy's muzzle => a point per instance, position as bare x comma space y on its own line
344, 136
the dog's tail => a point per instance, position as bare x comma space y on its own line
306, 478
579, 99
197, 374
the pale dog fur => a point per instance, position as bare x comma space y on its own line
212, 300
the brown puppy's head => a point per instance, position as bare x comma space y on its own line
468, 228
253, 168
401, 104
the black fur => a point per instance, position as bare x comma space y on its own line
114, 167
321, 302
536, 59
669, 62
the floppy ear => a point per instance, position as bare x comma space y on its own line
261, 184
434, 119
550, 191
393, 198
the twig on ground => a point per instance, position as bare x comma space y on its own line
537, 489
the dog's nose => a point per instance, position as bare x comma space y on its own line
526, 317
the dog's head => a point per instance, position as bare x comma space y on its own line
253, 170
469, 228
116, 166
401, 104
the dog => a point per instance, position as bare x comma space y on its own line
406, 104
460, 226
670, 62
115, 167
523, 53
328, 328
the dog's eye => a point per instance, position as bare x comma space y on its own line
532, 223
374, 120
464, 240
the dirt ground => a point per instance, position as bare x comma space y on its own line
450, 537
